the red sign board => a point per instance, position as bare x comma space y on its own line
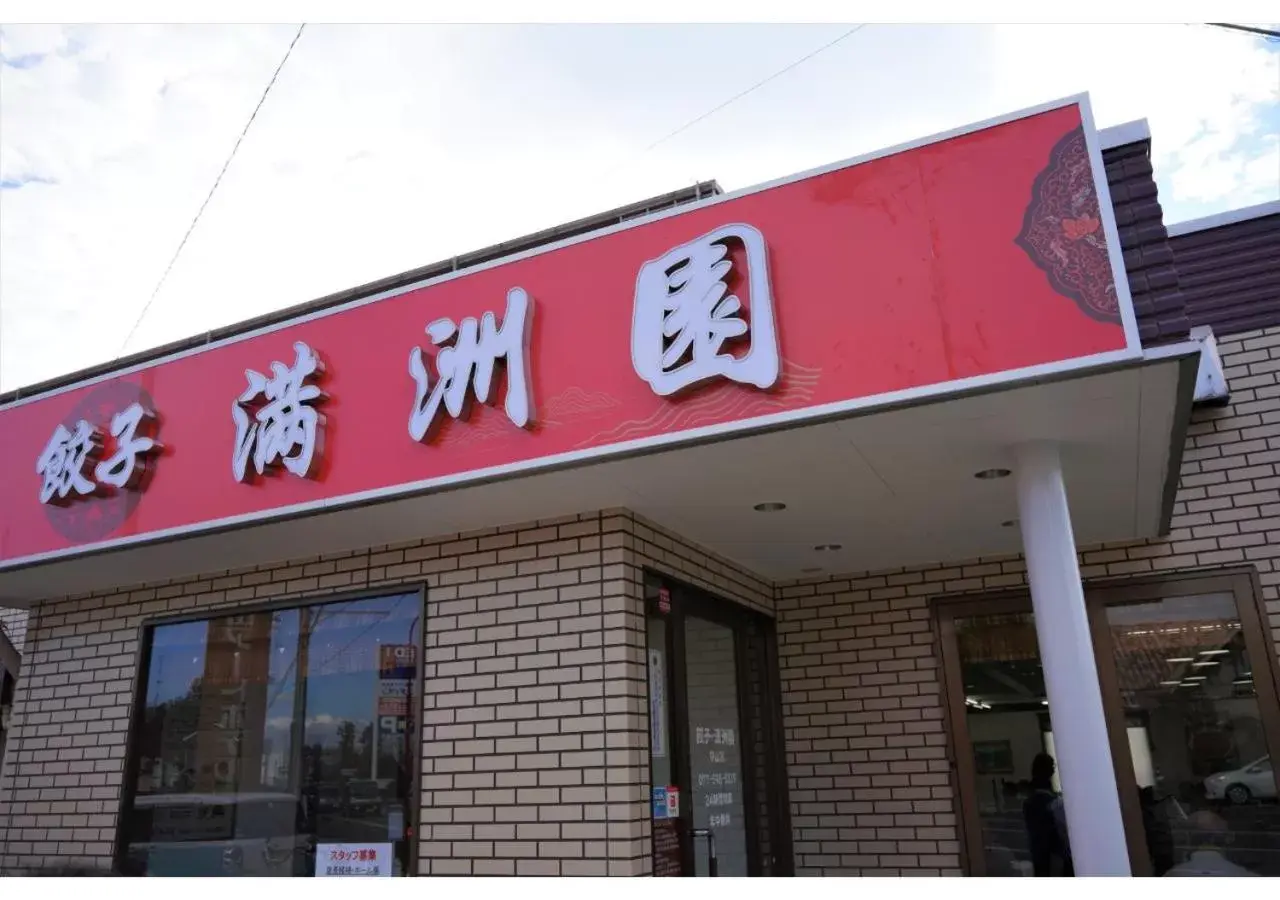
397, 661
973, 259
664, 600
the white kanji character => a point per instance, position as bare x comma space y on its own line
685, 315
128, 465
65, 461
286, 429
468, 353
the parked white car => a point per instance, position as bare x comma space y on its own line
1256, 781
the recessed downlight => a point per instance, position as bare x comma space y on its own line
989, 474
828, 548
769, 507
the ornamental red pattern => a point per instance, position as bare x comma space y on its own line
1062, 230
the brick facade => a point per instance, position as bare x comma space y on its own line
534, 755
13, 622
861, 679
534, 710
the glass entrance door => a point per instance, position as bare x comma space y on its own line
715, 753
1193, 718
1198, 707
715, 746
1011, 765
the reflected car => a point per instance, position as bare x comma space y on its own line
1256, 781
364, 798
329, 798
199, 835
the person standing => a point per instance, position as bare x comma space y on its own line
1045, 818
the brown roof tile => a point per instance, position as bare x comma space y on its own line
1229, 274
1149, 261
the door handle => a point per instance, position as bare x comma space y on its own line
712, 867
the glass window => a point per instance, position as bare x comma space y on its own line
277, 743
1017, 792
1203, 773
715, 738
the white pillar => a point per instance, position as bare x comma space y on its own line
1080, 738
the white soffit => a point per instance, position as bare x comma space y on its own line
1124, 133
1219, 220
893, 488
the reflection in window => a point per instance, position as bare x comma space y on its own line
715, 736
1206, 788
263, 736
1024, 829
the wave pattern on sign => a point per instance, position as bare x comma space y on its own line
725, 403
571, 405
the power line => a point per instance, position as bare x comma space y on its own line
738, 96
217, 181
1247, 29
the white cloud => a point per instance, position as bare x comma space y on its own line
381, 149
1204, 92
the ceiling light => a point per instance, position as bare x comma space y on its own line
989, 474
1008, 523
1243, 681
828, 548
1044, 702
769, 507
1171, 683
1214, 652
1195, 678
1205, 663
1182, 659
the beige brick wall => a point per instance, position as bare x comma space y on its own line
649, 546
870, 787
581, 727
14, 624
534, 730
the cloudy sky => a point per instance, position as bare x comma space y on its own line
385, 148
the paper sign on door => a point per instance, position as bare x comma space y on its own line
345, 860
666, 802
657, 705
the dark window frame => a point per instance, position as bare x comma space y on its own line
1242, 582
142, 661
689, 599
